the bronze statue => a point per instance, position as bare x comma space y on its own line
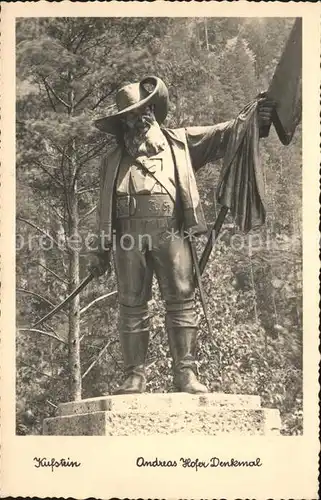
149, 199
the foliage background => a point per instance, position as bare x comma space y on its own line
68, 70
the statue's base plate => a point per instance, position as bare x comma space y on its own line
174, 413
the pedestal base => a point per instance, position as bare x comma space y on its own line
174, 413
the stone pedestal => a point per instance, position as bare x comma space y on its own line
174, 413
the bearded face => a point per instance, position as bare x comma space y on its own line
142, 134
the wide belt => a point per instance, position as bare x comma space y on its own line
144, 206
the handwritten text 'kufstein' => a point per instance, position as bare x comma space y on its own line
54, 463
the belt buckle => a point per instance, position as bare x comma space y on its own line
167, 208
153, 206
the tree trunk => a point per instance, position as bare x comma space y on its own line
74, 309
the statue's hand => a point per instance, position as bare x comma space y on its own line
265, 110
99, 262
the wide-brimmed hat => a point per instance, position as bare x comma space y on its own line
134, 96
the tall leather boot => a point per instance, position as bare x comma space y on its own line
182, 343
134, 348
134, 337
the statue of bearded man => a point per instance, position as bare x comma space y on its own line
148, 194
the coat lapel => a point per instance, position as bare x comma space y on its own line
194, 219
108, 177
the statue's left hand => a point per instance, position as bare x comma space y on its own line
265, 110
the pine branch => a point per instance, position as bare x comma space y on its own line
59, 215
86, 190
29, 292
95, 150
138, 34
110, 294
42, 332
57, 181
47, 400
48, 152
47, 166
87, 154
82, 37
62, 152
50, 328
48, 95
102, 99
104, 349
85, 73
88, 213
42, 231
53, 273
98, 42
95, 153
60, 99
87, 94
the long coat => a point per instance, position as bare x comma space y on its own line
192, 147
